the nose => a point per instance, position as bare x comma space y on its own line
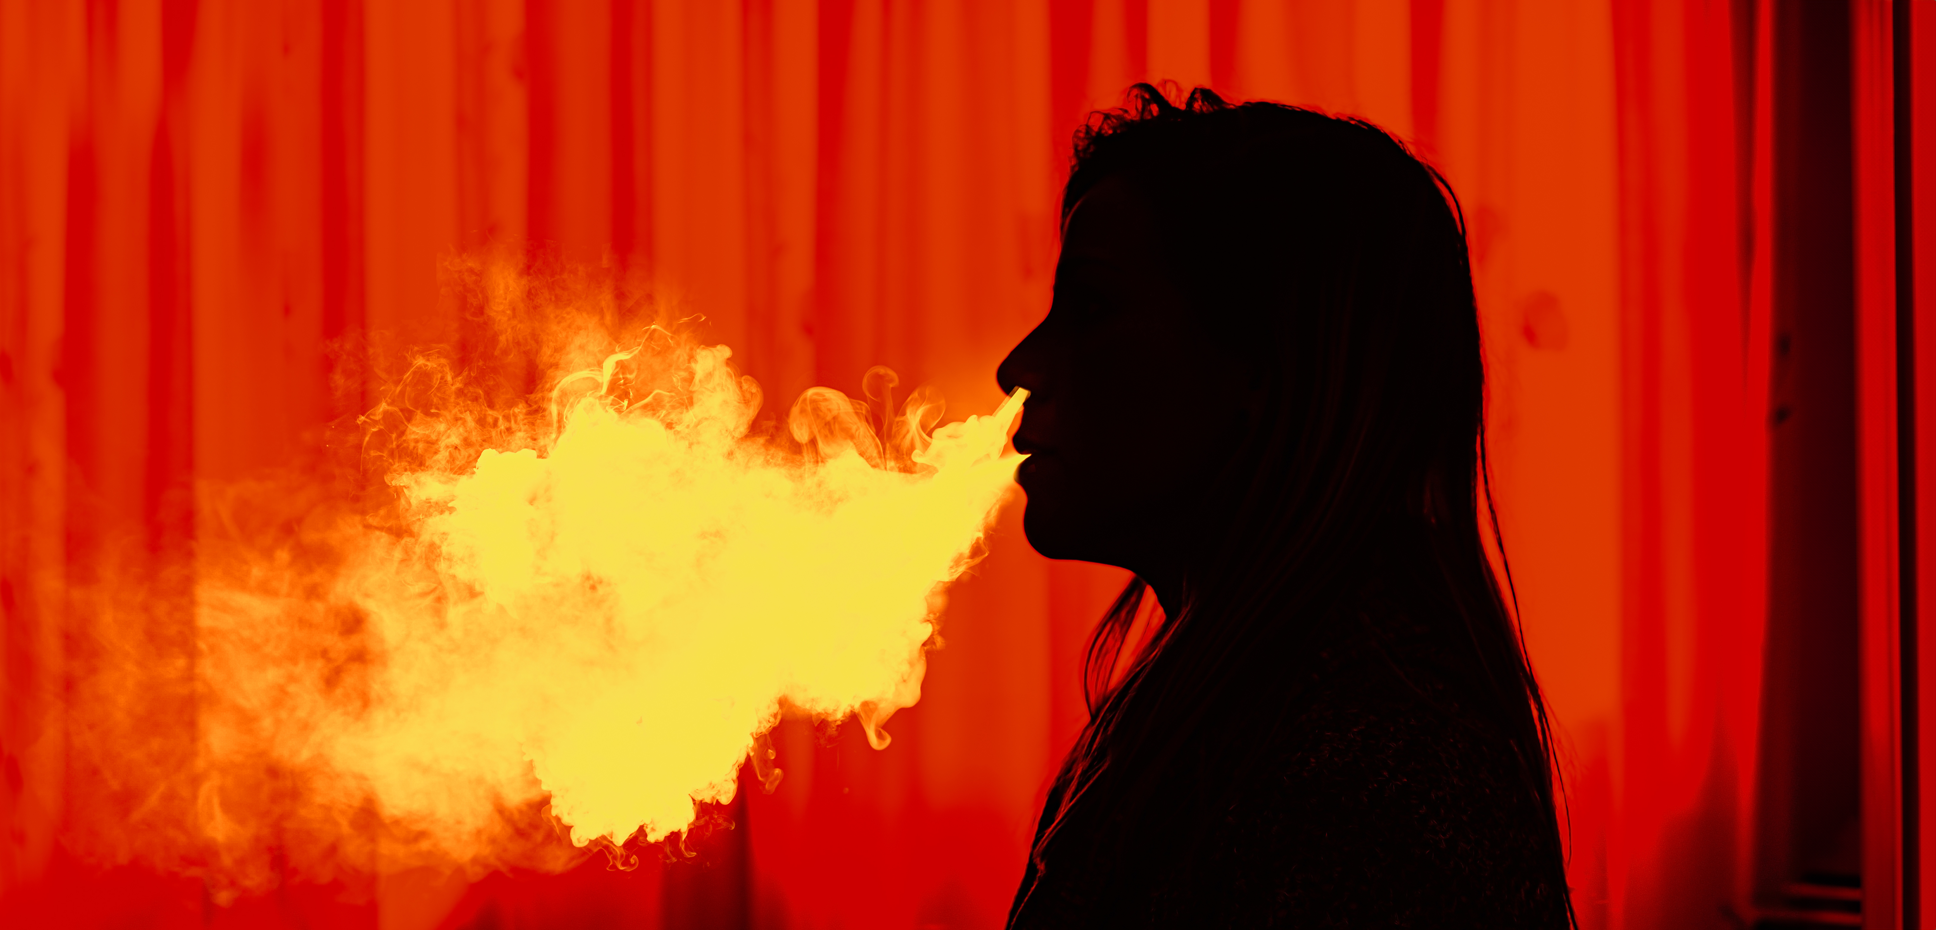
1023, 367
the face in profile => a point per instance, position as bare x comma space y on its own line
1132, 409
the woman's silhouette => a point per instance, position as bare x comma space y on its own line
1260, 389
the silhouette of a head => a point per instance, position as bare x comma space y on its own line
1263, 335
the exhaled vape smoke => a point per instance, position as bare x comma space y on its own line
601, 608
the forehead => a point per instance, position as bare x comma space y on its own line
1113, 226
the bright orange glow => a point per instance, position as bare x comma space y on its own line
606, 609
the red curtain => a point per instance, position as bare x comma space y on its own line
1913, 58
214, 212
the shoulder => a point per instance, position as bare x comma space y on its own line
1370, 726
1379, 798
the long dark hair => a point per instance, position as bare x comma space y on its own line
1334, 263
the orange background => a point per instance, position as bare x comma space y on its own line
209, 209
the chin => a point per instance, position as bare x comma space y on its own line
1060, 524
1040, 531
1054, 534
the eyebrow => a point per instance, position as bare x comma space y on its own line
1069, 216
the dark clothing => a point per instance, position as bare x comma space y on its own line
1377, 798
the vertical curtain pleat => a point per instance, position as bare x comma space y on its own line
1872, 106
1695, 349
1915, 58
